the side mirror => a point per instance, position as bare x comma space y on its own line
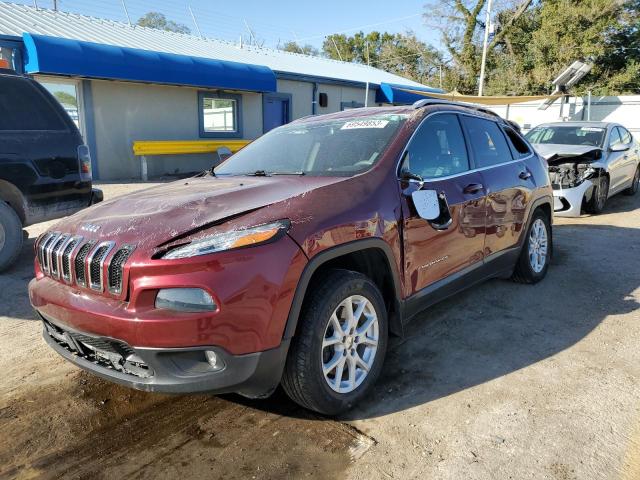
433, 207
427, 204
619, 147
222, 153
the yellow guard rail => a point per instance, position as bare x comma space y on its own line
146, 148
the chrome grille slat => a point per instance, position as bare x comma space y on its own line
54, 265
115, 268
66, 258
79, 264
43, 247
95, 265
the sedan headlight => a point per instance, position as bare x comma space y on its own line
230, 240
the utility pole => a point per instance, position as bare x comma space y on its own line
193, 17
55, 5
366, 90
487, 27
126, 12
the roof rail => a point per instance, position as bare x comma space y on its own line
437, 101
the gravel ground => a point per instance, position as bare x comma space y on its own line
502, 381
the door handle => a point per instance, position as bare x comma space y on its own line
473, 188
525, 175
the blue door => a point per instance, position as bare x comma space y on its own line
276, 111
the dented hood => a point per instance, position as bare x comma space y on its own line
156, 215
552, 150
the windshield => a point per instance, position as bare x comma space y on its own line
341, 147
566, 135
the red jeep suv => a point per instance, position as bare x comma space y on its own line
293, 260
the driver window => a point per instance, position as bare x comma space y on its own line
438, 148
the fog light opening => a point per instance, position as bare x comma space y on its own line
214, 360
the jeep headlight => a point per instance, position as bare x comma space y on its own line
231, 240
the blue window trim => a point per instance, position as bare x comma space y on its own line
352, 104
238, 114
284, 96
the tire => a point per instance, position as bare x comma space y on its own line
633, 189
527, 269
599, 196
11, 236
304, 377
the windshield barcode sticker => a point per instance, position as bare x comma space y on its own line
365, 124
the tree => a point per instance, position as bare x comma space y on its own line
306, 49
65, 98
159, 21
554, 33
461, 25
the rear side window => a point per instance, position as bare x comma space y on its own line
519, 147
438, 148
488, 143
24, 107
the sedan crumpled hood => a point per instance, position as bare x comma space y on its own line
548, 150
156, 215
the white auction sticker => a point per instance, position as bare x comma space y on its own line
365, 124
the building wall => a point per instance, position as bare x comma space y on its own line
623, 110
125, 112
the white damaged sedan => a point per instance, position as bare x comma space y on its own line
589, 162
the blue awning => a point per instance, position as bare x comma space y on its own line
63, 56
400, 94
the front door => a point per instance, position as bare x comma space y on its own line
438, 154
276, 111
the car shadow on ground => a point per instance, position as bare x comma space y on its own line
500, 327
14, 282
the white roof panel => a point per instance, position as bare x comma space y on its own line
16, 19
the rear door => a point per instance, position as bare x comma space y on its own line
508, 182
631, 155
616, 162
438, 153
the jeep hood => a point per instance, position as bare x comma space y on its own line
156, 215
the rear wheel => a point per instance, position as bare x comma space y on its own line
338, 352
536, 252
633, 189
10, 235
599, 196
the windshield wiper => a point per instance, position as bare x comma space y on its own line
258, 173
264, 173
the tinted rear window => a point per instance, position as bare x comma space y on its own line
24, 107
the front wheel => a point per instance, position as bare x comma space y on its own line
536, 252
338, 352
11, 236
599, 196
633, 189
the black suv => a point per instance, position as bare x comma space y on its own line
45, 168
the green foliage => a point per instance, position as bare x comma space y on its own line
65, 98
305, 49
159, 21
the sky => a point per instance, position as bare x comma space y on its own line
273, 22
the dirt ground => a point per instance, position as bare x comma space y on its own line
503, 381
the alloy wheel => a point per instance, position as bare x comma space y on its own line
602, 193
350, 344
538, 246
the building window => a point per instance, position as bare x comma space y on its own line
220, 115
67, 94
350, 105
